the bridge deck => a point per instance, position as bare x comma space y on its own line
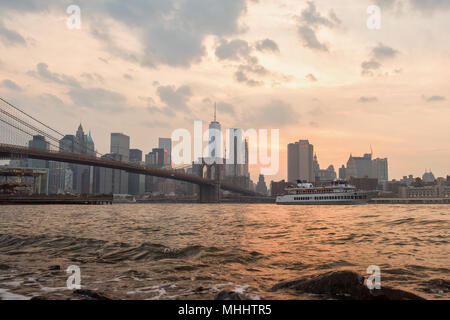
11, 151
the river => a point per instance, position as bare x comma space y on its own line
193, 251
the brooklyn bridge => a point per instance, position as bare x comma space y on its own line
17, 127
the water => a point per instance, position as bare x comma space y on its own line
192, 251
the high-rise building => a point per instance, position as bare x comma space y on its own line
323, 175
166, 143
136, 182
215, 138
300, 161
380, 168
120, 144
261, 187
38, 142
342, 174
83, 176
360, 167
120, 147
237, 154
366, 167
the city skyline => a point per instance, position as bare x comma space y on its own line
388, 90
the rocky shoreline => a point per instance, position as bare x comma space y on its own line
338, 285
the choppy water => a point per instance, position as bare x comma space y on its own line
192, 251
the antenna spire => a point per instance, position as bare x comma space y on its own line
215, 109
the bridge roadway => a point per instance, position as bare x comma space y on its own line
8, 151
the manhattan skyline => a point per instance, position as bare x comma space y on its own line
115, 74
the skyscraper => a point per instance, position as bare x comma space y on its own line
136, 182
261, 187
300, 161
360, 167
38, 142
380, 168
215, 138
120, 147
166, 143
237, 154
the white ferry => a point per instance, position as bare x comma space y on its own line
339, 192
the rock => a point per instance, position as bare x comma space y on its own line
436, 286
54, 267
90, 295
228, 295
344, 285
334, 283
3, 266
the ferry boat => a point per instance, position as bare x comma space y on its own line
339, 192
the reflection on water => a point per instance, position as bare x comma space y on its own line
176, 251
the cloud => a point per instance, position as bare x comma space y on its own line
310, 40
384, 52
240, 50
93, 77
98, 99
10, 37
368, 99
426, 6
172, 32
431, 5
44, 73
310, 21
435, 98
369, 66
240, 76
267, 45
253, 68
175, 98
274, 114
311, 77
226, 108
235, 50
378, 53
6, 83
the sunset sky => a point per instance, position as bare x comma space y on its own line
312, 69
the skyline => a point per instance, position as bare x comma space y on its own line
115, 75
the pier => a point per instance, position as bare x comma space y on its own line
55, 199
410, 201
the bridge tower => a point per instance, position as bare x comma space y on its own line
210, 193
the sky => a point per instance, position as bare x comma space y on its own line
312, 69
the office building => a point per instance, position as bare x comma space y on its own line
300, 161
166, 144
120, 147
136, 182
215, 138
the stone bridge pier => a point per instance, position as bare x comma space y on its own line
210, 193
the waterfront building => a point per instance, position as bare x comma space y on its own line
428, 176
136, 182
38, 142
120, 147
261, 186
365, 166
301, 161
166, 144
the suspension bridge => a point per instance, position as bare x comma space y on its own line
17, 127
